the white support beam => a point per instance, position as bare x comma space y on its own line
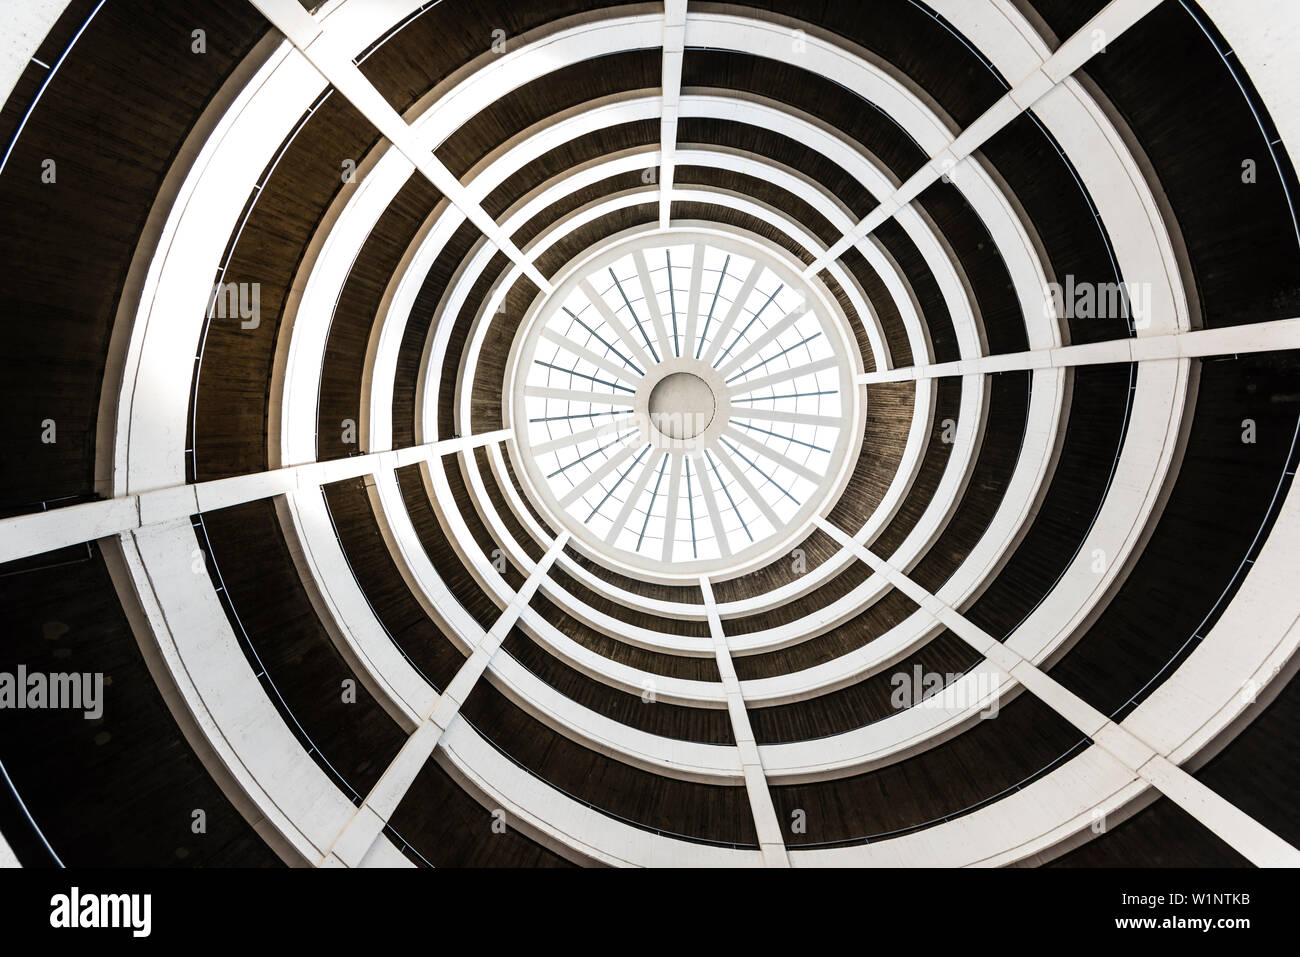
605, 469
1231, 340
737, 305
780, 458
666, 346
1245, 835
1104, 28
766, 825
785, 375
327, 51
624, 331
797, 418
25, 535
608, 430
693, 300
638, 488
353, 845
675, 469
736, 360
621, 373
741, 476
571, 395
711, 504
674, 53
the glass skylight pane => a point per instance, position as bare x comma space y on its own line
682, 431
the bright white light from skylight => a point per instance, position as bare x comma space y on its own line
680, 405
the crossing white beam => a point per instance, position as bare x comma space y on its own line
352, 847
1272, 336
674, 53
1091, 39
327, 51
770, 841
1249, 838
41, 532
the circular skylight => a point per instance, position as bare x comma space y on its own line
685, 403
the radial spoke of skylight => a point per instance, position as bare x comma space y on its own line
672, 303
690, 504
568, 438
673, 501
619, 525
771, 479
573, 395
711, 508
590, 482
576, 416
797, 468
625, 335
631, 468
777, 435
692, 305
654, 495
731, 499
781, 415
624, 370
733, 314
771, 335
740, 336
636, 320
650, 302
596, 380
713, 305
617, 440
785, 375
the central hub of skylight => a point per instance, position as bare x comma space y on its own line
681, 405
684, 403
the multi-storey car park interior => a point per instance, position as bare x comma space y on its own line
550, 433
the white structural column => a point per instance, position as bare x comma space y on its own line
327, 51
674, 53
353, 845
1105, 27
1272, 336
770, 841
40, 532
1247, 836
